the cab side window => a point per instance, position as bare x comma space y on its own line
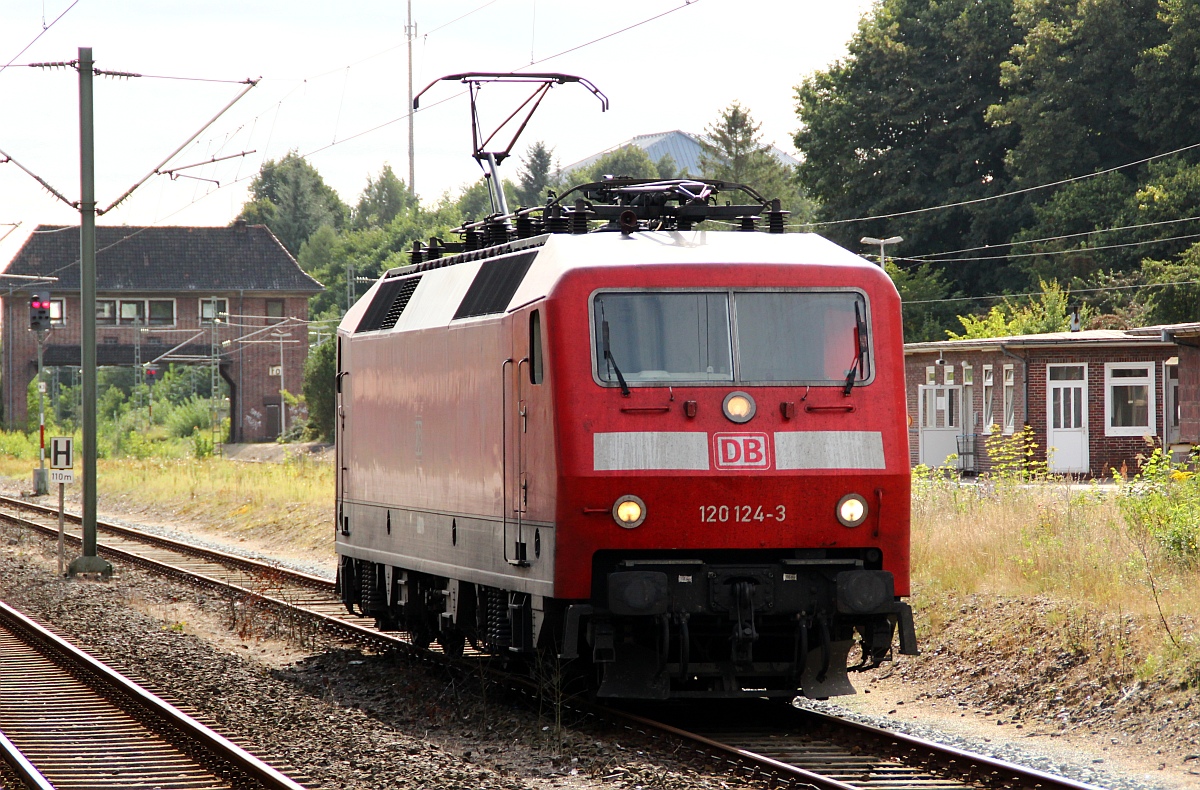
537, 371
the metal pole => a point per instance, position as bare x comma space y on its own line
282, 402
40, 486
88, 562
409, 32
61, 486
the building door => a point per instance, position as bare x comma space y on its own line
939, 417
1171, 401
272, 417
1066, 418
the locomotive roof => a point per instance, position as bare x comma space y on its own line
530, 271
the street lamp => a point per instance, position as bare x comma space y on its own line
882, 245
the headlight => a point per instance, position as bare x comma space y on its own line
629, 511
852, 510
738, 407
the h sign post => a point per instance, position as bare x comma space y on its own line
62, 471
62, 452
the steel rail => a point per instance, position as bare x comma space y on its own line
225, 558
922, 763
228, 763
29, 776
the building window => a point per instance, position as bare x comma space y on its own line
1129, 399
274, 311
212, 309
106, 312
988, 419
131, 312
949, 374
931, 375
58, 312
162, 312
968, 374
1010, 400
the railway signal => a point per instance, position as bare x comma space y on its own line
39, 311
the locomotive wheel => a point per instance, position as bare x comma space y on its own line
420, 638
453, 643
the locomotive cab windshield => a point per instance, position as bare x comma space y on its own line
650, 338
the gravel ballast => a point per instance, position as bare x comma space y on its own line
336, 718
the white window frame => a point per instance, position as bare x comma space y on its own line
948, 374
121, 321
1010, 400
174, 312
58, 306
930, 375
1147, 381
989, 395
221, 307
113, 321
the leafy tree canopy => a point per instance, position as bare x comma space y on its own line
381, 200
899, 125
1050, 312
535, 176
290, 197
732, 149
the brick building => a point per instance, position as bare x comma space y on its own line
158, 291
1097, 398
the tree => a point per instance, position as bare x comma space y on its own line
381, 200
899, 125
1174, 295
1070, 86
534, 177
475, 202
921, 290
1051, 312
320, 372
290, 197
1167, 102
732, 149
629, 161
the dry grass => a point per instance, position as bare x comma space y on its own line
1066, 542
1107, 593
275, 504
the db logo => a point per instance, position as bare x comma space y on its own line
742, 450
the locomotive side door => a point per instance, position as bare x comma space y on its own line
340, 442
519, 376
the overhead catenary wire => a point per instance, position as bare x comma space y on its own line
1030, 294
930, 256
988, 198
1072, 251
44, 29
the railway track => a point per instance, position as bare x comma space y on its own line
69, 721
802, 747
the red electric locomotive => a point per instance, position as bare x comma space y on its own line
676, 457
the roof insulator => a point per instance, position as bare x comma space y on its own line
776, 217
580, 216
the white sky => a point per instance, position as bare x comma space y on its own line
333, 70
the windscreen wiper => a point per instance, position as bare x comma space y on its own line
608, 357
857, 368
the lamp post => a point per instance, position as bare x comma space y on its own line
882, 245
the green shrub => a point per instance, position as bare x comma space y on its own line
1014, 458
1162, 502
191, 415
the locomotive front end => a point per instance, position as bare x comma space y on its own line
735, 473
